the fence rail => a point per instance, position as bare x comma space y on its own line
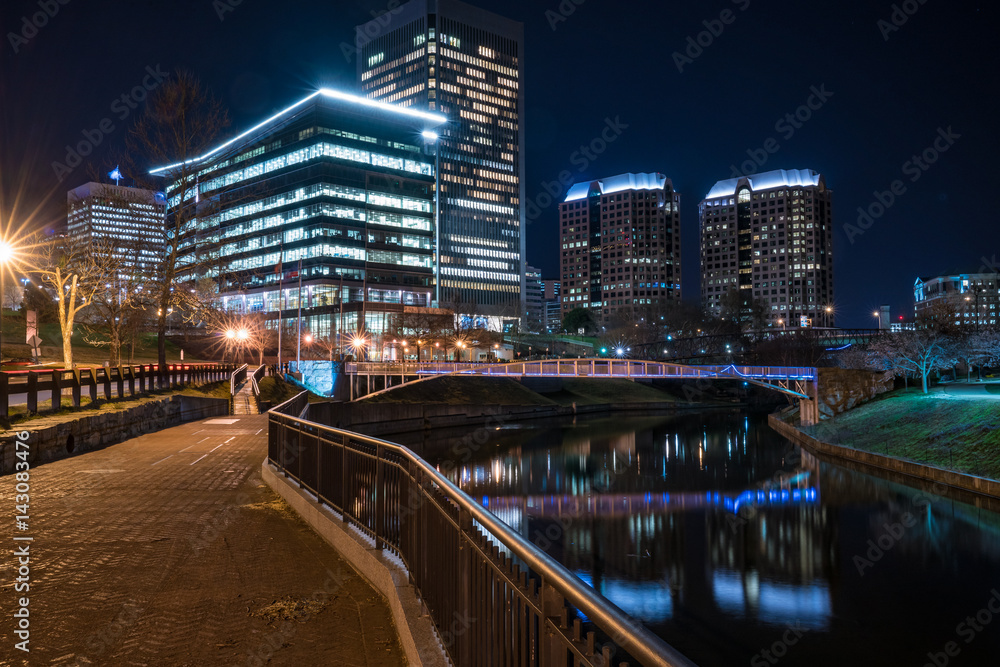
100, 383
495, 598
255, 379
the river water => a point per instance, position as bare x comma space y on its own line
736, 547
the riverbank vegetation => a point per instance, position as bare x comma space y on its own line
956, 433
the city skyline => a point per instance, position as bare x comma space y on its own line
908, 146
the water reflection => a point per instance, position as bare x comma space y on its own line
720, 536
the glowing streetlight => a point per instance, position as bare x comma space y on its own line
7, 254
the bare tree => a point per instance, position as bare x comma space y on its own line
919, 352
182, 120
74, 274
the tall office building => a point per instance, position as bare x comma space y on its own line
621, 246
466, 63
129, 218
335, 193
551, 307
769, 236
533, 291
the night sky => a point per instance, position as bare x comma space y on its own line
890, 91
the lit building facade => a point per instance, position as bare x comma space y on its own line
130, 218
551, 305
534, 290
621, 246
335, 192
969, 300
466, 63
770, 237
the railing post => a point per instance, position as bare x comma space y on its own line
379, 498
465, 569
121, 381
552, 605
131, 380
4, 395
32, 390
92, 384
319, 468
107, 382
56, 390
76, 388
344, 440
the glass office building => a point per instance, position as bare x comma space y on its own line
336, 192
466, 63
129, 219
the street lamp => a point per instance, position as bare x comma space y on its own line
878, 314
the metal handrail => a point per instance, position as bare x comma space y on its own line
255, 377
634, 638
240, 373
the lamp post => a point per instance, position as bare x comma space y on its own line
878, 314
6, 254
829, 314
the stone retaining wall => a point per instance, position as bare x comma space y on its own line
53, 438
982, 485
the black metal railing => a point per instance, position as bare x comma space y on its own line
255, 379
495, 598
115, 382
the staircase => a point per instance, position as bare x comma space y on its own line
243, 401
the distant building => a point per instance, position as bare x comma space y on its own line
621, 246
770, 237
468, 64
130, 218
336, 191
969, 300
552, 316
533, 299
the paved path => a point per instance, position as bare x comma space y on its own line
168, 549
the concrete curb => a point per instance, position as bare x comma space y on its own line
387, 575
980, 485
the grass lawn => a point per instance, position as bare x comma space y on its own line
277, 391
961, 434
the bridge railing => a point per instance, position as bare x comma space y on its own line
518, 606
619, 368
69, 386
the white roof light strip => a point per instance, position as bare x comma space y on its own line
326, 92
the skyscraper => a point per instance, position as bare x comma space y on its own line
129, 218
621, 246
769, 237
461, 61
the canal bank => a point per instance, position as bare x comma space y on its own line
914, 469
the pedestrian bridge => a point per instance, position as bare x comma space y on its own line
798, 382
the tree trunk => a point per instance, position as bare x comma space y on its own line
925, 374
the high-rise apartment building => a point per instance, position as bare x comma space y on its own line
130, 219
969, 300
769, 237
551, 306
467, 64
335, 193
621, 246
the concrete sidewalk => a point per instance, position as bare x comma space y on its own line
168, 549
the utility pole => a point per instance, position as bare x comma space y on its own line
298, 342
281, 276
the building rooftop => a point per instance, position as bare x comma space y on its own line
766, 180
618, 183
360, 105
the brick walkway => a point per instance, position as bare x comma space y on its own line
169, 550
